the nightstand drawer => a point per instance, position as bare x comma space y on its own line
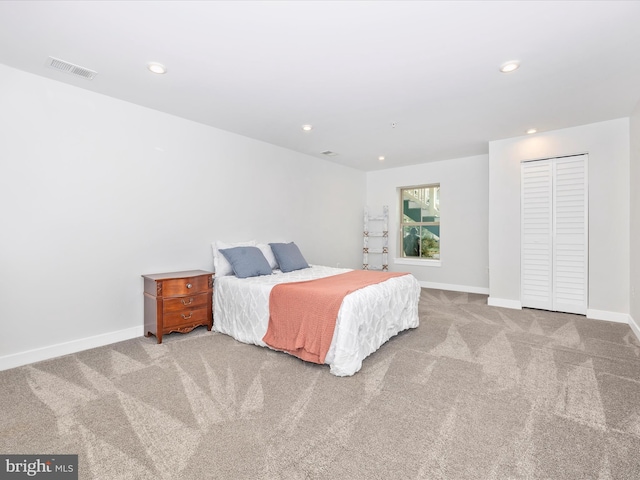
185, 286
181, 304
185, 317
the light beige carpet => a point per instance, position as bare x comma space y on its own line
475, 392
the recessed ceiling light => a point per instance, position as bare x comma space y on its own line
509, 66
531, 131
307, 128
381, 158
156, 67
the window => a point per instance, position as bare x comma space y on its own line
420, 222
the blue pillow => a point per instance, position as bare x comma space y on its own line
288, 256
247, 261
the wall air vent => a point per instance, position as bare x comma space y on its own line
329, 153
70, 68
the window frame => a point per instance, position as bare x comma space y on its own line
408, 260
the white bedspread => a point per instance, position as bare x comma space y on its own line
367, 318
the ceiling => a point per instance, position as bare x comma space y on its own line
412, 81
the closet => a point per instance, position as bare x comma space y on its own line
554, 234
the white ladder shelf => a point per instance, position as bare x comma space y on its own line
376, 239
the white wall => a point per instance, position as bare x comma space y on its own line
95, 192
607, 144
635, 220
464, 219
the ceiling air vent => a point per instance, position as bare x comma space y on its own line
329, 153
72, 69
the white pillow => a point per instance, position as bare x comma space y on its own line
268, 254
221, 265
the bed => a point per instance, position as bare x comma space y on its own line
366, 319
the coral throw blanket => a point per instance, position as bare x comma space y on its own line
302, 315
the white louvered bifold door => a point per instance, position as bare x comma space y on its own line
554, 254
570, 234
537, 235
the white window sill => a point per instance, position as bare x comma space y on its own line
419, 262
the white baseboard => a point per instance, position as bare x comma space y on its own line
51, 351
634, 327
608, 316
504, 303
455, 288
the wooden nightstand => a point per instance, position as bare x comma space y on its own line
177, 302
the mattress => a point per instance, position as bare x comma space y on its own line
366, 320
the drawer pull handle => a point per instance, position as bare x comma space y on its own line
186, 317
189, 285
184, 302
